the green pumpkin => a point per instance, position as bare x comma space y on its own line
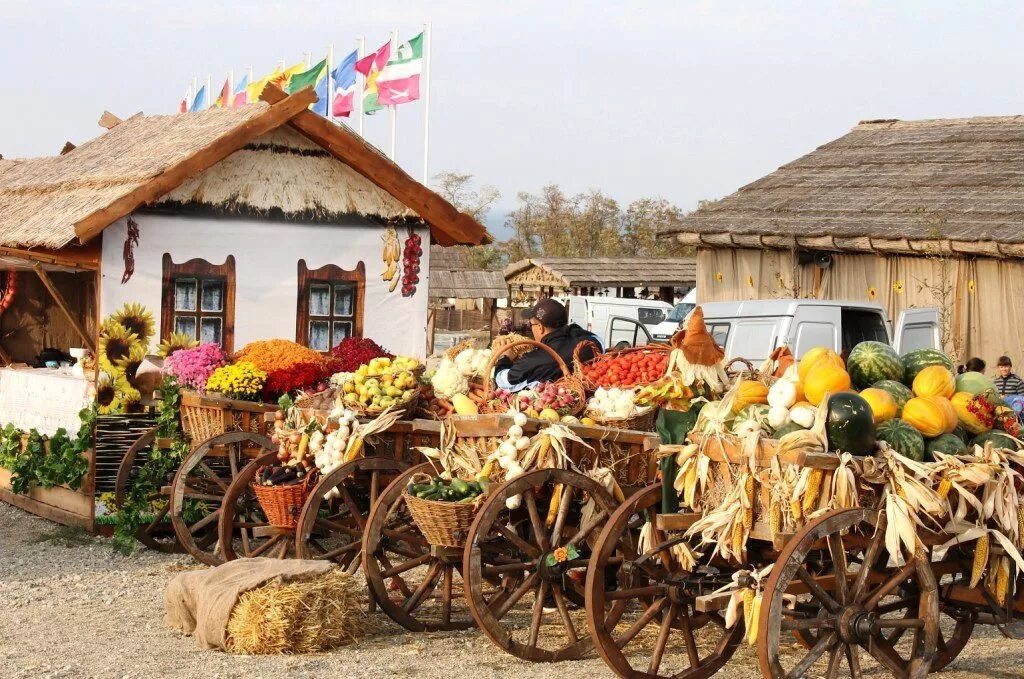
947, 444
916, 361
756, 413
903, 438
850, 425
871, 362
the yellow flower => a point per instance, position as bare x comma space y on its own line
719, 277
970, 286
897, 287
872, 293
177, 340
136, 319
561, 555
750, 281
116, 344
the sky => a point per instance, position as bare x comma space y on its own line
676, 99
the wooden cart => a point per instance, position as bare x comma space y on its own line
502, 577
831, 589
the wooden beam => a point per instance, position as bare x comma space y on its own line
55, 293
173, 176
68, 148
109, 121
90, 262
449, 225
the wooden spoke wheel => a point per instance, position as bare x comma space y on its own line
832, 583
548, 559
417, 585
956, 621
158, 532
333, 521
640, 607
200, 485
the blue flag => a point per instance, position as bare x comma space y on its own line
344, 76
199, 103
321, 98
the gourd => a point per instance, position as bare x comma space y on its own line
464, 405
850, 426
961, 403
930, 415
813, 357
825, 378
934, 380
803, 414
883, 405
749, 392
974, 383
870, 362
903, 437
900, 392
947, 444
916, 361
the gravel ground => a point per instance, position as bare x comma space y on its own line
71, 607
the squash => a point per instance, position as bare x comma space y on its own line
850, 426
934, 380
748, 393
930, 415
825, 378
812, 357
963, 403
883, 405
464, 405
803, 414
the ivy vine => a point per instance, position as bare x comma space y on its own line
30, 464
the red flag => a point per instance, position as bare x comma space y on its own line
224, 98
375, 61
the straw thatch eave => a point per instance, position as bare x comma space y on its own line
575, 272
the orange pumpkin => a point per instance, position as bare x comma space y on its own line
749, 392
815, 355
883, 405
935, 380
930, 415
825, 378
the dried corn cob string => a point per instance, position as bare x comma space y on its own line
1002, 587
737, 603
844, 484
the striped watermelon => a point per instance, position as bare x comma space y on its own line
752, 417
902, 437
916, 361
900, 392
999, 439
870, 362
947, 444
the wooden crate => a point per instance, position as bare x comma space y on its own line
60, 503
207, 415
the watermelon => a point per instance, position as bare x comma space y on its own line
947, 444
900, 392
751, 416
903, 438
961, 433
974, 383
870, 362
998, 438
916, 361
850, 426
787, 428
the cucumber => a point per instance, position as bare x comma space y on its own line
468, 499
460, 486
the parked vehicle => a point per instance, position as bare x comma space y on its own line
753, 329
681, 310
596, 314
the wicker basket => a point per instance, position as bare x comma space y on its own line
406, 409
502, 342
204, 416
456, 349
578, 364
643, 421
445, 524
283, 504
568, 379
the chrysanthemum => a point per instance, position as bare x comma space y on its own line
136, 319
177, 340
116, 343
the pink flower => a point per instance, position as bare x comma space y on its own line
192, 367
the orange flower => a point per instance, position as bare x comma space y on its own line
561, 555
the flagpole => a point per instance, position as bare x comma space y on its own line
427, 37
359, 93
209, 99
394, 109
330, 82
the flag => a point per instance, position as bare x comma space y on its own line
320, 107
254, 89
310, 78
283, 78
224, 98
344, 85
241, 95
370, 66
399, 82
183, 106
199, 103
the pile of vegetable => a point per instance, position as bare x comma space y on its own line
613, 403
379, 393
626, 369
547, 401
452, 490
286, 475
453, 375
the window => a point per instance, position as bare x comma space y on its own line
719, 332
918, 336
754, 340
330, 305
650, 316
862, 325
810, 334
199, 300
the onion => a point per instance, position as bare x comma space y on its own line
520, 419
522, 443
515, 431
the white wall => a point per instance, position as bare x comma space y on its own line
266, 272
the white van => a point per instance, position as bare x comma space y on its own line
753, 329
599, 314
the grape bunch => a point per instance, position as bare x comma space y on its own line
411, 264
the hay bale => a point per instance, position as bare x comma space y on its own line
298, 617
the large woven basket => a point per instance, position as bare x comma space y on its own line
568, 379
444, 524
406, 408
643, 421
283, 504
577, 363
502, 342
204, 416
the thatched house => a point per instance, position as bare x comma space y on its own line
903, 213
535, 277
258, 222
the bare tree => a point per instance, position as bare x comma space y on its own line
457, 189
643, 221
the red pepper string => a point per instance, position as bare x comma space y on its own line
130, 241
411, 263
10, 287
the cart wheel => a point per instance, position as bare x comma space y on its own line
333, 521
640, 607
417, 585
495, 549
199, 488
243, 529
158, 534
956, 622
831, 581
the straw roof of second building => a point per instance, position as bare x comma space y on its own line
612, 271
453, 275
959, 180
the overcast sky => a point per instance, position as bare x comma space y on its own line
685, 100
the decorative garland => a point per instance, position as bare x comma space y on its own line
10, 288
411, 263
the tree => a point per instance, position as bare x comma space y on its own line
555, 224
457, 189
643, 220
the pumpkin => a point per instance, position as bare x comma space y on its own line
934, 380
850, 426
967, 412
883, 405
899, 391
825, 378
803, 413
748, 393
930, 415
812, 357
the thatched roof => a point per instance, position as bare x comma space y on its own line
453, 275
610, 271
888, 185
52, 202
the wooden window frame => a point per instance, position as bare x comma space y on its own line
329, 274
199, 269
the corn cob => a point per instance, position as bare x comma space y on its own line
752, 626
556, 499
775, 517
797, 510
748, 511
737, 540
355, 448
748, 606
1003, 580
980, 560
945, 485
813, 491
1020, 526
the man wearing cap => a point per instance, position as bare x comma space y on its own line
549, 323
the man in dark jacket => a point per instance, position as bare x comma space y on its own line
550, 325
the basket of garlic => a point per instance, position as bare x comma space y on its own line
617, 408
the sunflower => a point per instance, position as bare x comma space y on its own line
897, 287
719, 277
872, 293
177, 340
132, 362
116, 344
136, 319
107, 393
130, 398
970, 286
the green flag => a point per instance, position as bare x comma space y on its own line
308, 79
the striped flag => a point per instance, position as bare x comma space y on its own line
399, 82
241, 95
199, 103
344, 76
370, 66
224, 98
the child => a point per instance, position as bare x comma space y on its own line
1007, 382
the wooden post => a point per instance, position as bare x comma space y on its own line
55, 293
431, 320
492, 317
5, 357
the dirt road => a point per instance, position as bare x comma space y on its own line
71, 607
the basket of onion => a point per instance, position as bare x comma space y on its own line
617, 408
565, 396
